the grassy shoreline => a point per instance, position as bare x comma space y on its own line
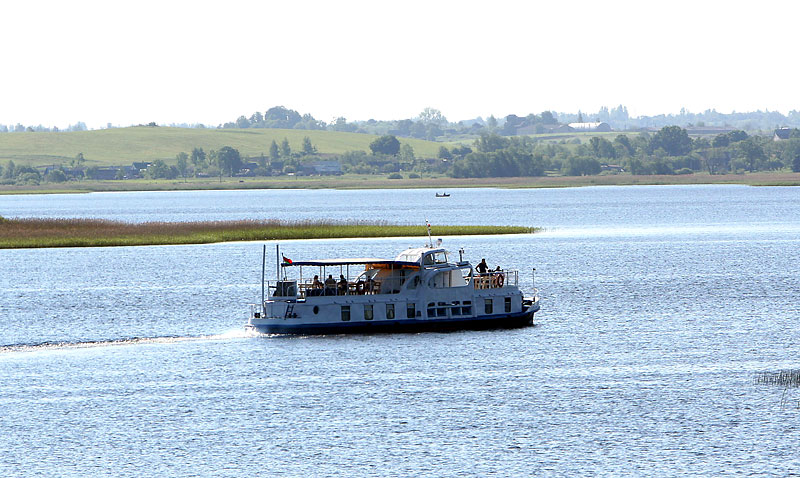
43, 233
381, 182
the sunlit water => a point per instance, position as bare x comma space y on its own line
660, 306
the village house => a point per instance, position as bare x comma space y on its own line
594, 127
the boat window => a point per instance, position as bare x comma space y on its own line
345, 313
508, 304
487, 306
455, 309
411, 310
367, 311
428, 260
467, 308
390, 311
440, 258
431, 309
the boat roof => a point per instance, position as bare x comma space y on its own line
348, 261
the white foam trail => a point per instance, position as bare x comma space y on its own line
238, 333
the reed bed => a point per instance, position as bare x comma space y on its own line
783, 378
34, 233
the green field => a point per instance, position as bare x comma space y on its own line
122, 146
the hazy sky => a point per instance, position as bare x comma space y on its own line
124, 62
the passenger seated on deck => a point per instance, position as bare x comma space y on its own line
330, 285
317, 284
342, 285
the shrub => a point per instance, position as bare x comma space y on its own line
413, 176
395, 176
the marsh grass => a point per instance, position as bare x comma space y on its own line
783, 378
33, 233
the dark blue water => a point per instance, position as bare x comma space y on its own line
660, 305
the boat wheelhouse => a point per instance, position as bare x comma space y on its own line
419, 290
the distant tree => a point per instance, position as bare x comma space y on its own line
444, 153
286, 150
10, 171
230, 162
242, 122
461, 150
580, 167
548, 118
340, 124
491, 123
387, 144
183, 164
406, 152
674, 140
198, 157
737, 135
432, 116
274, 153
158, 169
751, 153
256, 118
308, 148
56, 176
92, 172
625, 144
602, 148
488, 143
721, 141
280, 117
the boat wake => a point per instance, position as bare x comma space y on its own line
170, 339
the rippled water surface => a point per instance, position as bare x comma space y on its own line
660, 305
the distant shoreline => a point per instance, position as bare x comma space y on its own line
45, 233
381, 182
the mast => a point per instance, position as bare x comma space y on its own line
263, 271
278, 261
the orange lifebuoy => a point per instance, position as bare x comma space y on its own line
500, 280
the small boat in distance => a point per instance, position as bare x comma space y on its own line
442, 195
419, 290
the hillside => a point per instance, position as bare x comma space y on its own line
120, 146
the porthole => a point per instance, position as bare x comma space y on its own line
316, 309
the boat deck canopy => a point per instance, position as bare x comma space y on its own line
354, 261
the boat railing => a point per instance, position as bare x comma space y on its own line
496, 279
308, 289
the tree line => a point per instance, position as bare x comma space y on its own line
669, 150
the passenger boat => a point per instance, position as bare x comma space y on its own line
442, 195
419, 290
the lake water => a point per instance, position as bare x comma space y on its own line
660, 305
